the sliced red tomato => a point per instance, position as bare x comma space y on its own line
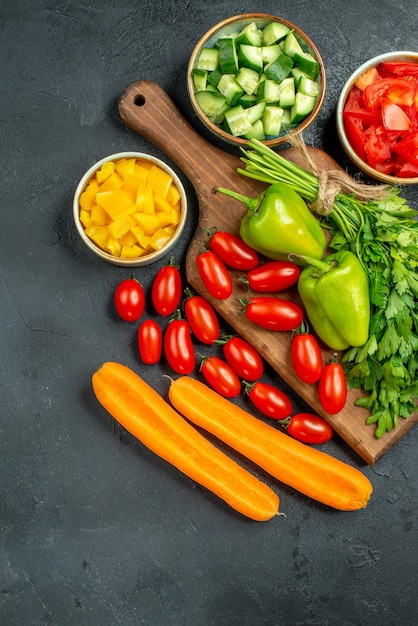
408, 148
354, 129
398, 90
394, 117
376, 146
221, 377
399, 68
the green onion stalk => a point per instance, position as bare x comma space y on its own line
375, 223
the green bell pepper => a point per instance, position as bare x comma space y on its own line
335, 293
278, 223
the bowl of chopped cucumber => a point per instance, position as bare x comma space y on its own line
377, 115
256, 76
130, 208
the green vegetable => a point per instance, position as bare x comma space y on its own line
383, 233
279, 223
335, 292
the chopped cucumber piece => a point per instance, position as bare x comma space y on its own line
291, 45
228, 59
212, 104
250, 35
230, 88
251, 56
208, 59
269, 91
214, 77
279, 69
287, 93
255, 112
307, 63
308, 86
237, 121
200, 79
247, 100
270, 53
285, 120
256, 131
248, 79
274, 31
272, 120
303, 106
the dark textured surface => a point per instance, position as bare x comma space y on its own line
95, 530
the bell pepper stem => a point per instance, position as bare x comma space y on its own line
320, 265
252, 204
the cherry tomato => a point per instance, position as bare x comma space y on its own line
273, 276
214, 275
178, 346
202, 319
274, 313
150, 339
243, 358
233, 251
129, 300
332, 388
221, 377
270, 400
309, 428
306, 358
166, 289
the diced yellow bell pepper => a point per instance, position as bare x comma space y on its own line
173, 195
159, 180
98, 234
99, 215
105, 171
149, 223
113, 247
113, 182
160, 238
88, 197
131, 252
117, 204
125, 167
85, 218
128, 239
161, 204
141, 237
119, 227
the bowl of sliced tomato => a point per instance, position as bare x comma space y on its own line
377, 118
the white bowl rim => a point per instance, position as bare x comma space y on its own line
397, 54
146, 259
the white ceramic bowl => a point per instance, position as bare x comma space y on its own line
362, 165
234, 25
146, 258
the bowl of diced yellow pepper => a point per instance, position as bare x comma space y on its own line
130, 208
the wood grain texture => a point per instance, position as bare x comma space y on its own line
146, 108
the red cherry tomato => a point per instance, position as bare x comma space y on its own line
166, 289
150, 339
178, 346
129, 300
243, 358
309, 428
273, 276
214, 275
233, 251
270, 400
202, 319
306, 358
274, 313
221, 377
332, 388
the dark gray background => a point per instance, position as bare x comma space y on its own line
94, 529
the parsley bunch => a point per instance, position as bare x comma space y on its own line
384, 236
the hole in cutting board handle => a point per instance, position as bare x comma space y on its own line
139, 100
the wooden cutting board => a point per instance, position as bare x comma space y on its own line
146, 108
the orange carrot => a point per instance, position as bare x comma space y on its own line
147, 416
310, 471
